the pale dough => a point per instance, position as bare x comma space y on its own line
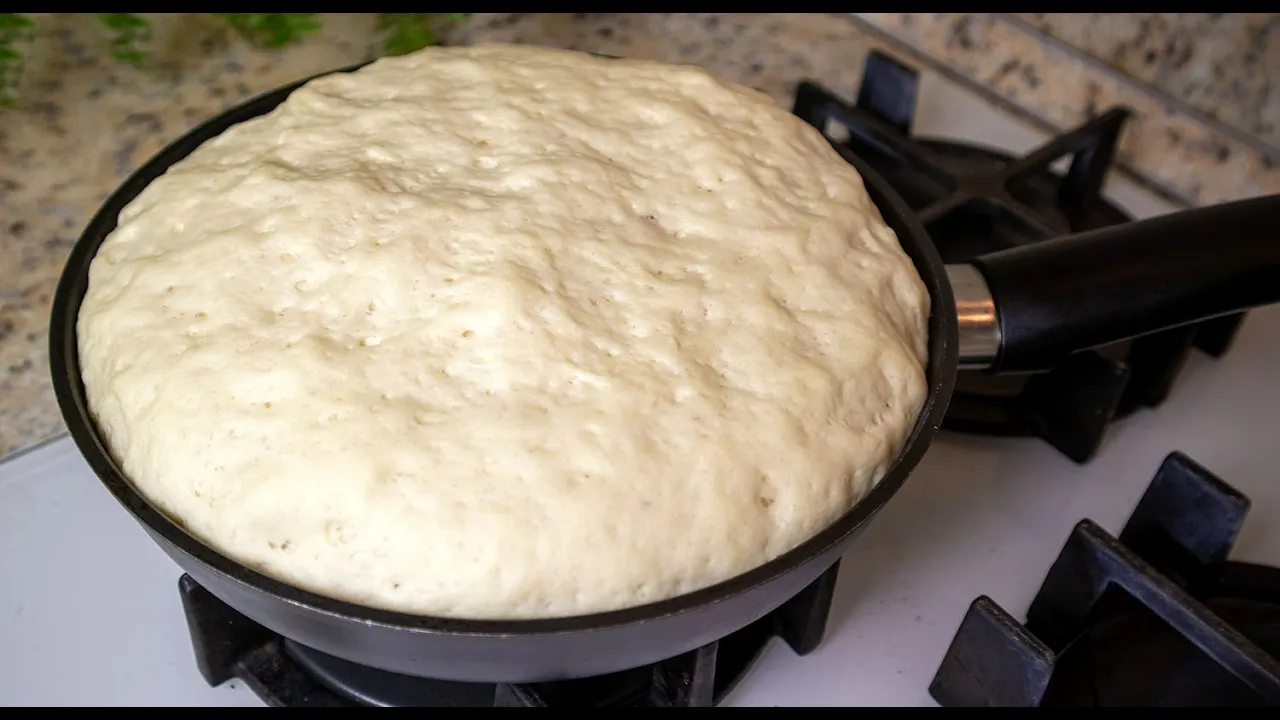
506, 332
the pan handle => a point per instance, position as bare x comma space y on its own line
1024, 309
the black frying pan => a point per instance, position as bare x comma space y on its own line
1018, 310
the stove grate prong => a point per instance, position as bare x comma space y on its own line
1173, 549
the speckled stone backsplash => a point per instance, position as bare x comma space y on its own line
1206, 126
1222, 64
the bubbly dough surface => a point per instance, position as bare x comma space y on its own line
506, 332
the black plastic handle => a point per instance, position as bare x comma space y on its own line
1081, 291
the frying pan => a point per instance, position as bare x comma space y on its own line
1015, 310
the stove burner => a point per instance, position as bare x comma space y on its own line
973, 200
1158, 617
286, 674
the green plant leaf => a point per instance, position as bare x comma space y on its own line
128, 30
15, 30
271, 30
407, 32
124, 22
15, 22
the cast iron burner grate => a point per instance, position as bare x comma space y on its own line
1156, 618
973, 200
283, 673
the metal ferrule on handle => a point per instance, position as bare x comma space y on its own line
976, 312
1026, 308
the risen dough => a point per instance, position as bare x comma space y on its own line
506, 332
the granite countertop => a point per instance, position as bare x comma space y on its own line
86, 122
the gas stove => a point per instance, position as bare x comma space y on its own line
1006, 518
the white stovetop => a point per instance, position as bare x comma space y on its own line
89, 609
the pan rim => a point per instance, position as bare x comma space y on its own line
941, 367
